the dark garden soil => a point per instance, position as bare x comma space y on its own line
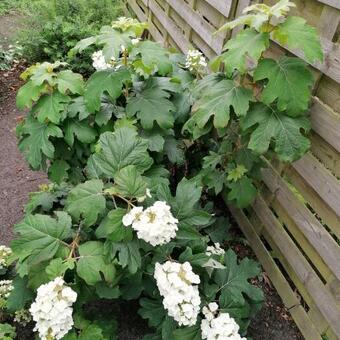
273, 322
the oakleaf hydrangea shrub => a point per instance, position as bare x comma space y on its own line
136, 155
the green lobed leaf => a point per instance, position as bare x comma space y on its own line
188, 194
153, 55
217, 100
84, 132
20, 295
151, 105
120, 149
35, 142
129, 183
7, 331
128, 254
271, 125
57, 267
247, 44
242, 192
86, 200
50, 107
77, 107
91, 263
101, 82
289, 82
57, 172
40, 237
153, 311
112, 227
28, 94
194, 259
43, 199
68, 81
112, 41
234, 278
296, 34
188, 333
173, 148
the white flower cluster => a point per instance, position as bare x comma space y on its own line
23, 317
99, 62
155, 225
52, 309
218, 326
195, 61
5, 252
124, 23
135, 41
181, 298
5, 288
215, 250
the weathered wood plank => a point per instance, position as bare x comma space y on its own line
321, 180
329, 22
326, 123
202, 46
241, 5
326, 154
222, 6
316, 317
288, 296
137, 10
209, 13
170, 26
300, 238
205, 30
323, 299
333, 3
327, 215
305, 220
329, 93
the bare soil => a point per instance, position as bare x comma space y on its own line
16, 179
273, 322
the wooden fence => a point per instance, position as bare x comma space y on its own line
294, 224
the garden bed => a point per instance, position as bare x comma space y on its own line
272, 322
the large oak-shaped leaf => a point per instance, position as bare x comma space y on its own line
289, 82
275, 126
28, 94
40, 237
35, 143
68, 81
296, 34
107, 81
50, 107
152, 105
218, 99
92, 262
247, 44
86, 200
112, 227
242, 192
153, 55
118, 150
84, 132
234, 278
129, 182
111, 39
